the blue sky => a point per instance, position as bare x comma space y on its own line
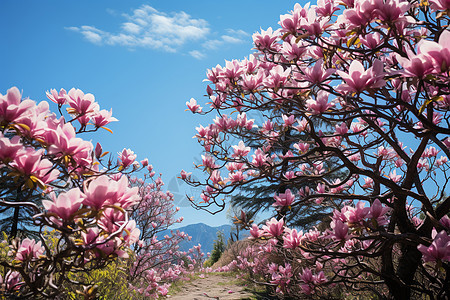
143, 59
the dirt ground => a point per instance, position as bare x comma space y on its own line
213, 286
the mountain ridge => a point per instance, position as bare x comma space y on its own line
201, 233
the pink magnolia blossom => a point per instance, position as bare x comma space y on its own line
63, 142
292, 239
418, 65
233, 70
252, 82
371, 41
193, 106
102, 118
184, 174
293, 50
290, 23
440, 4
90, 236
439, 250
392, 10
378, 212
259, 158
313, 23
265, 39
208, 161
358, 79
438, 52
29, 162
236, 177
111, 247
81, 103
242, 121
340, 230
326, 8
320, 104
301, 147
29, 250
123, 195
394, 177
288, 120
445, 221
306, 275
240, 150
284, 199
12, 281
9, 148
111, 220
317, 74
341, 129
12, 108
103, 190
58, 98
66, 204
277, 77
224, 123
273, 227
355, 215
127, 158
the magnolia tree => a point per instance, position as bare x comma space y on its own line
375, 74
158, 261
54, 181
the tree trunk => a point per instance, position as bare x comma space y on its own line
407, 265
15, 221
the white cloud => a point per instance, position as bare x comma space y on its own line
131, 28
212, 44
150, 28
197, 54
147, 27
241, 33
233, 37
92, 37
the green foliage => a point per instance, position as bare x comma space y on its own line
110, 282
218, 249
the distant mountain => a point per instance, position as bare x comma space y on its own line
201, 234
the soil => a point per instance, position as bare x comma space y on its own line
213, 286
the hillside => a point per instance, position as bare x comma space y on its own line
201, 234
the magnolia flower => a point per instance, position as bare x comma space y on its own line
292, 239
102, 118
66, 204
320, 104
80, 102
240, 150
340, 230
12, 108
29, 249
359, 79
273, 227
126, 157
9, 148
193, 106
439, 250
58, 98
284, 199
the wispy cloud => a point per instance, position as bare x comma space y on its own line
232, 37
146, 27
197, 54
150, 28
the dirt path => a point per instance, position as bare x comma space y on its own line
213, 286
